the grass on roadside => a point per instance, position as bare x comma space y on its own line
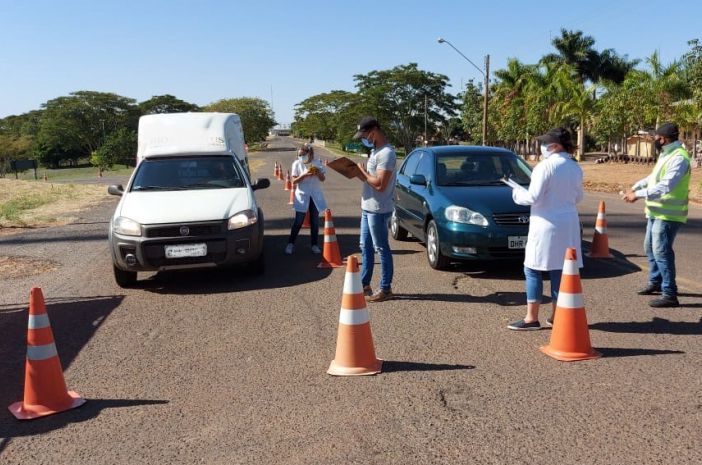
68, 174
32, 203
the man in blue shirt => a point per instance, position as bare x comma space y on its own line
377, 203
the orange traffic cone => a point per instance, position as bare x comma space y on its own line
570, 337
275, 169
306, 221
292, 197
331, 257
44, 387
288, 181
600, 243
355, 354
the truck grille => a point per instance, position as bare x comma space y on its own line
193, 230
511, 219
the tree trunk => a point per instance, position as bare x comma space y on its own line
581, 140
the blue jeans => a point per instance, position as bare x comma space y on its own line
374, 238
658, 245
535, 284
314, 225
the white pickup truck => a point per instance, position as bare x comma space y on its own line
190, 202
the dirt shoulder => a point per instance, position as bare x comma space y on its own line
29, 204
615, 177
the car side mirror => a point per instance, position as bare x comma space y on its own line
418, 179
262, 183
115, 189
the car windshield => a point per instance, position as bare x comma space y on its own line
480, 169
185, 173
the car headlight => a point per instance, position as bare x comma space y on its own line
126, 227
242, 219
464, 215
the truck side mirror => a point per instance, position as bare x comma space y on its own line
115, 189
261, 183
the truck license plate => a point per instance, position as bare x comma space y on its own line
516, 242
186, 250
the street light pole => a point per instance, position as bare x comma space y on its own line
486, 75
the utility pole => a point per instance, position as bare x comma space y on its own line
486, 99
425, 121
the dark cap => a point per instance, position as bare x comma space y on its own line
556, 136
366, 124
668, 130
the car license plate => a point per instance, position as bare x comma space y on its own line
516, 242
186, 250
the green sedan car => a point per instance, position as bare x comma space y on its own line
452, 199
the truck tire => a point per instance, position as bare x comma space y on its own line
258, 266
124, 279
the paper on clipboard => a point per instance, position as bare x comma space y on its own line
344, 166
513, 184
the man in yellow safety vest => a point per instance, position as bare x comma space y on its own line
666, 192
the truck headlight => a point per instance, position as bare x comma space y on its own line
126, 227
242, 219
464, 215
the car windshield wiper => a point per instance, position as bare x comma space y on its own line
157, 188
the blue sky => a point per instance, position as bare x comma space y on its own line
201, 51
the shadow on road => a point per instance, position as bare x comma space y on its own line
52, 237
390, 366
655, 326
626, 352
281, 270
12, 428
504, 299
74, 321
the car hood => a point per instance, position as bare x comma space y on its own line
155, 207
484, 199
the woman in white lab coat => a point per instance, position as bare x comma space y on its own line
307, 176
556, 187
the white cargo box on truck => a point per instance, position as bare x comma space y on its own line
173, 134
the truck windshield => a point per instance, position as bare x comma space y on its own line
185, 173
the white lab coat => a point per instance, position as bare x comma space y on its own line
556, 187
309, 188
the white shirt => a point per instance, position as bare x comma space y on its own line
308, 188
556, 187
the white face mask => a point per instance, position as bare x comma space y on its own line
302, 158
545, 152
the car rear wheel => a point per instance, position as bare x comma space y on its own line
123, 278
398, 232
434, 256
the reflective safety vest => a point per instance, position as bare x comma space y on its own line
673, 205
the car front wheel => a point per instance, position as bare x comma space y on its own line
434, 256
398, 232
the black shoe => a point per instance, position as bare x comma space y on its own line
650, 289
522, 325
664, 301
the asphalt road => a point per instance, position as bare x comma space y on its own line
226, 368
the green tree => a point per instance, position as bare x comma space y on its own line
166, 104
472, 111
119, 147
256, 115
398, 97
74, 126
321, 115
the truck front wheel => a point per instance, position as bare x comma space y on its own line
124, 279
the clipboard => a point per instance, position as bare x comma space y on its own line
345, 166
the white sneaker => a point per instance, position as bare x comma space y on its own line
316, 250
289, 249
